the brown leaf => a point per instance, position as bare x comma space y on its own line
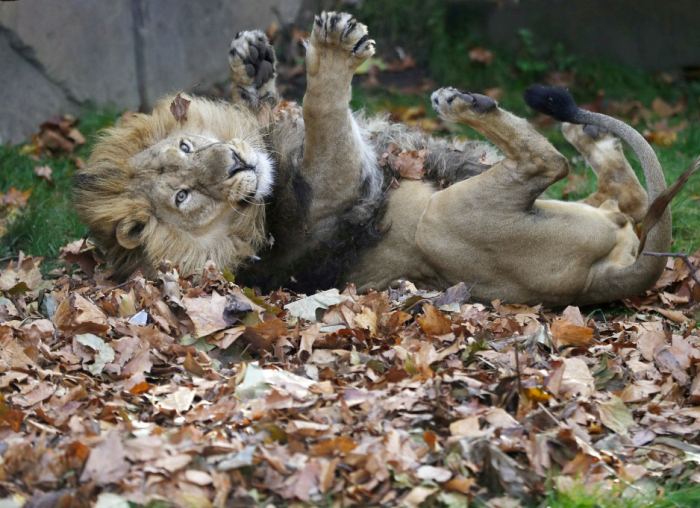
41, 391
665, 110
179, 108
107, 461
667, 362
565, 334
24, 270
15, 198
262, 336
191, 365
467, 427
44, 172
339, 445
434, 322
206, 313
77, 315
410, 164
481, 55
82, 253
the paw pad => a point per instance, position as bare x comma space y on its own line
252, 54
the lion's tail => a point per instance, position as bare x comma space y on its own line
638, 277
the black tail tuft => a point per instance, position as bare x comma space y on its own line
553, 101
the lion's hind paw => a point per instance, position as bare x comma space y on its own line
450, 103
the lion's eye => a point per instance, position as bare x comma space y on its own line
185, 147
181, 196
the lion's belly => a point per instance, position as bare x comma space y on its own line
397, 257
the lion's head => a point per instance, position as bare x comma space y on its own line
155, 188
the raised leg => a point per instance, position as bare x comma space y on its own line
253, 68
616, 179
491, 230
531, 165
334, 151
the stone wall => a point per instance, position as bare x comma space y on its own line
59, 57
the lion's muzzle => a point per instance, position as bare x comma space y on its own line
238, 165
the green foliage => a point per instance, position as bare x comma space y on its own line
530, 62
48, 222
624, 497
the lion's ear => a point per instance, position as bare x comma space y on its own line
129, 232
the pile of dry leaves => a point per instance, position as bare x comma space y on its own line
206, 394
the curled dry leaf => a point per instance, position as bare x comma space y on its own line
179, 108
44, 172
410, 164
482, 55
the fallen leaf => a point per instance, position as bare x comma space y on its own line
44, 172
410, 164
104, 353
434, 322
306, 308
206, 313
107, 462
77, 315
481, 55
615, 416
665, 110
25, 270
565, 333
179, 108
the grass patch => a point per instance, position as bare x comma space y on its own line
587, 496
48, 222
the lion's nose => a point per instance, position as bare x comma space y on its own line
238, 165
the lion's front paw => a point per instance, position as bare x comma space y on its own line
252, 61
451, 104
343, 35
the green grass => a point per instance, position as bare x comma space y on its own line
48, 222
586, 497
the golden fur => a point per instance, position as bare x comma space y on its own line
114, 191
335, 217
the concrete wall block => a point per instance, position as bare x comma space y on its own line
26, 91
187, 42
58, 57
86, 46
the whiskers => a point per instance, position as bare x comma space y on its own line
243, 198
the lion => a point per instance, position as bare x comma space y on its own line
307, 198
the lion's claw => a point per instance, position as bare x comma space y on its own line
340, 31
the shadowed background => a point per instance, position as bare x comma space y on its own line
61, 58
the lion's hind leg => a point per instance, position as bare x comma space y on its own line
531, 165
252, 62
616, 178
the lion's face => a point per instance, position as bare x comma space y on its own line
156, 189
198, 183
